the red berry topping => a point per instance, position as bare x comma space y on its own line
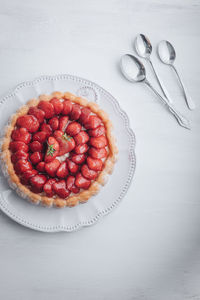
60, 189
76, 112
81, 138
46, 128
37, 182
57, 104
22, 166
36, 146
67, 107
48, 187
81, 182
63, 123
41, 166
27, 175
48, 109
73, 128
29, 122
65, 141
38, 113
97, 153
54, 123
40, 136
15, 146
85, 113
71, 184
80, 149
97, 131
52, 150
87, 173
94, 163
78, 158
98, 142
19, 155
93, 122
36, 157
62, 171
73, 167
21, 135
52, 167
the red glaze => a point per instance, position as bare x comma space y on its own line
78, 158
97, 153
15, 146
38, 113
60, 189
67, 107
57, 104
71, 184
99, 142
73, 167
40, 136
52, 167
52, 149
19, 155
22, 166
75, 112
87, 173
36, 157
21, 135
46, 128
63, 123
85, 113
41, 166
93, 122
27, 175
48, 187
81, 182
48, 109
62, 171
94, 163
81, 138
97, 131
36, 146
73, 128
80, 149
29, 122
54, 123
37, 183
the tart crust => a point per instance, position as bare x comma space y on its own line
84, 195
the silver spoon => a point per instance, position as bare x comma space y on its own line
167, 55
134, 71
144, 48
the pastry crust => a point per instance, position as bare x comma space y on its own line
73, 200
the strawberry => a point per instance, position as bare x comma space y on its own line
73, 168
67, 107
62, 171
52, 150
80, 149
57, 104
41, 166
36, 157
81, 182
19, 155
40, 136
37, 183
97, 153
54, 123
48, 109
29, 122
21, 135
92, 122
81, 138
36, 146
78, 158
60, 189
73, 128
38, 113
94, 163
97, 131
87, 173
48, 187
27, 175
22, 166
85, 113
15, 146
71, 184
52, 167
63, 123
75, 112
98, 142
65, 141
46, 128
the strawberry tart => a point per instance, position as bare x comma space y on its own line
57, 150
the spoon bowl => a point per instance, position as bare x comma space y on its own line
132, 68
166, 52
143, 46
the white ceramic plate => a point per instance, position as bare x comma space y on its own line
70, 219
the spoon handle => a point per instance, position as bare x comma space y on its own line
181, 119
164, 90
188, 99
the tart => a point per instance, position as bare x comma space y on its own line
57, 150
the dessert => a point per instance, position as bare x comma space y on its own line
58, 150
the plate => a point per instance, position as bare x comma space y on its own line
70, 219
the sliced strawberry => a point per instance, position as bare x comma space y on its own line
94, 163
80, 149
63, 123
38, 113
78, 158
41, 166
97, 131
62, 171
48, 109
67, 107
29, 122
60, 189
52, 150
36, 146
65, 141
71, 184
73, 168
87, 173
46, 128
93, 122
73, 128
52, 167
22, 166
48, 187
57, 104
81, 138
76, 112
21, 135
40, 136
99, 142
27, 175
19, 155
85, 113
36, 157
37, 183
54, 123
97, 153
15, 146
81, 182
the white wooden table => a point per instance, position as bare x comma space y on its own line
149, 247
